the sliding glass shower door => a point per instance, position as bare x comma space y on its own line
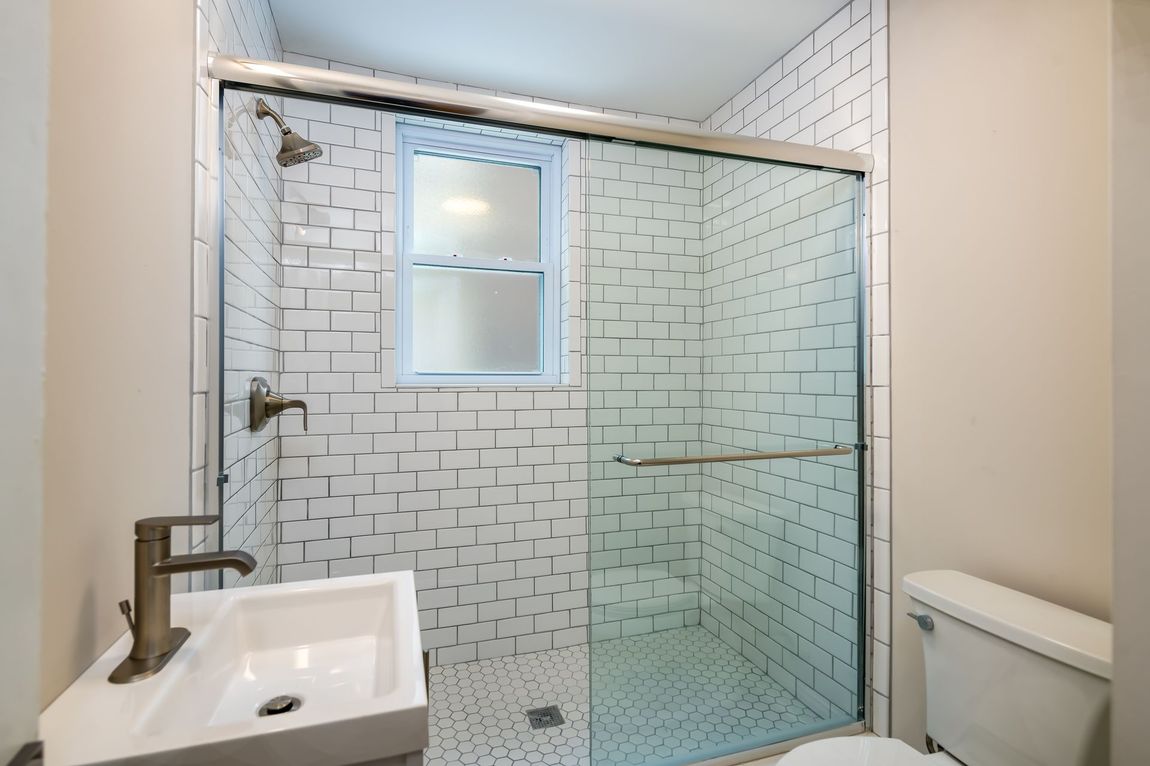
724, 360
693, 590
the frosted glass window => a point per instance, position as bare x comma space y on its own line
475, 208
476, 321
478, 260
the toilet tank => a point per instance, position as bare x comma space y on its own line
1011, 680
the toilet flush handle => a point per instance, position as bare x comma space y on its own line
925, 621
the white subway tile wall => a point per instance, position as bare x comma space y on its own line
831, 90
780, 538
481, 491
644, 257
721, 316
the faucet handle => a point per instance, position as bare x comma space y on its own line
126, 610
263, 405
159, 527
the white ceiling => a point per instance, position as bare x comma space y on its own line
681, 58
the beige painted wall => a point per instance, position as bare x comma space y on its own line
120, 195
23, 197
1130, 162
1001, 305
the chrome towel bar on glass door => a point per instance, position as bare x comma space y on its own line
637, 462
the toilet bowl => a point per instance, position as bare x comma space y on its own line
862, 751
1010, 679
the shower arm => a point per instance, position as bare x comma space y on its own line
263, 110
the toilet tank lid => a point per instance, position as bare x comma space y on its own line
1053, 631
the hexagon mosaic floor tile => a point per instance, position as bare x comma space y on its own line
479, 710
656, 697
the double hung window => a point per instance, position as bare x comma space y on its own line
477, 266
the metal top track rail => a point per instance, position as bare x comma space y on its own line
340, 87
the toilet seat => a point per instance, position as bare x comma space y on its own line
861, 751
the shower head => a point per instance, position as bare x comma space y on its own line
294, 148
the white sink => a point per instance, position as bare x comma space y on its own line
347, 648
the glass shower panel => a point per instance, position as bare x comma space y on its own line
250, 337
723, 304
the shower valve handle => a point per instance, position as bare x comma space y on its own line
263, 405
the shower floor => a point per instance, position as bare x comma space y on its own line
658, 698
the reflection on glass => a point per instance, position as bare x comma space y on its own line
476, 320
475, 209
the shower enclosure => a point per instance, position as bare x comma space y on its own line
723, 300
668, 544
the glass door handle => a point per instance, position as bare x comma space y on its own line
638, 462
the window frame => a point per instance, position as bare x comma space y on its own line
548, 159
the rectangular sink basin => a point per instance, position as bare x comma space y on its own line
340, 660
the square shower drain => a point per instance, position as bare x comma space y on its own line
542, 717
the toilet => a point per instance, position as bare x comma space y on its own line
1011, 680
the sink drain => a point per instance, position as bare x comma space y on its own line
285, 703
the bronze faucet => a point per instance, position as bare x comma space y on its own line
155, 641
